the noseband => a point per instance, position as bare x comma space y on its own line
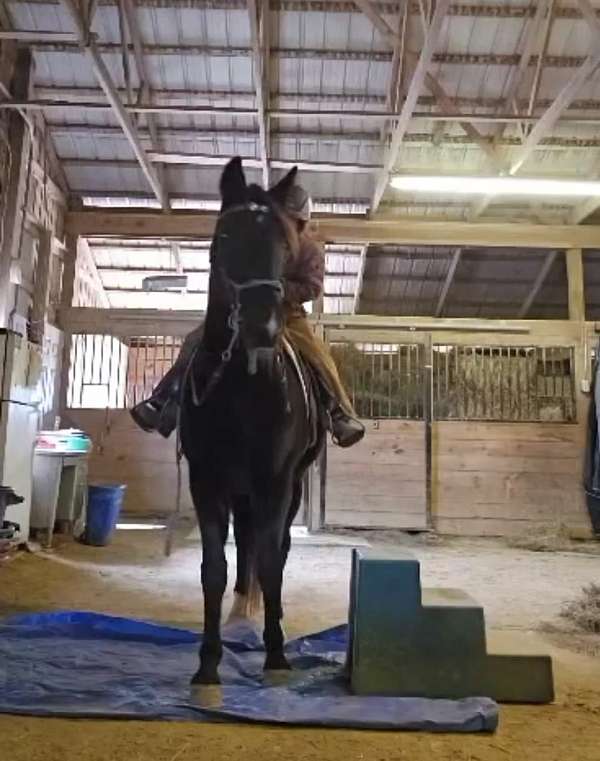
234, 319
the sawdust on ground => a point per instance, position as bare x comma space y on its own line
132, 578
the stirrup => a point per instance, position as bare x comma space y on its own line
354, 432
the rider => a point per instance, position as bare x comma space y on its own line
303, 282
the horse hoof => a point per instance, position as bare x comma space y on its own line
206, 676
277, 662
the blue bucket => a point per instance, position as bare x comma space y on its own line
104, 506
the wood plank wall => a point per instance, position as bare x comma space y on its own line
145, 462
493, 479
380, 482
487, 478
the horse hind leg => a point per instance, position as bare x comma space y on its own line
247, 593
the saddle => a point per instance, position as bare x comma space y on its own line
313, 391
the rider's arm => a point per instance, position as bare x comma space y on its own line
304, 276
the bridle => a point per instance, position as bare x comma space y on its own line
234, 319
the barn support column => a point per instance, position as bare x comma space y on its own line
575, 283
66, 301
17, 181
41, 291
576, 289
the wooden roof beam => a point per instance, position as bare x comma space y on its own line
258, 36
342, 229
537, 284
551, 116
359, 279
543, 14
144, 94
431, 83
375, 17
429, 45
88, 46
450, 274
586, 208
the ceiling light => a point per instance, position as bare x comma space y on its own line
493, 186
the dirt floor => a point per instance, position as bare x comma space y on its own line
522, 592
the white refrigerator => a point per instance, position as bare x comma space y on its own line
20, 369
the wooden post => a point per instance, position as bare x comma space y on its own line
17, 182
66, 301
576, 285
41, 290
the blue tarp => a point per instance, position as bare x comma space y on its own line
81, 664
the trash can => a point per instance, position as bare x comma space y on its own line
104, 506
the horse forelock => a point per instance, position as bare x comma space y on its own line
257, 195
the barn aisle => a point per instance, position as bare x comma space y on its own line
131, 577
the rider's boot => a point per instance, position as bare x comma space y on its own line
158, 413
345, 429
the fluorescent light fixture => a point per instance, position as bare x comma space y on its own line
496, 186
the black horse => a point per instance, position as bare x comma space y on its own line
245, 428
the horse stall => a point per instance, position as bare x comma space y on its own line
473, 429
428, 172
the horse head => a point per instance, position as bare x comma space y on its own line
252, 242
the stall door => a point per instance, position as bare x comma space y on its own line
382, 481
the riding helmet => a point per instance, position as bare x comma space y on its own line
297, 203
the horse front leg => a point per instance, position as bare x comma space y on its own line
273, 513
213, 517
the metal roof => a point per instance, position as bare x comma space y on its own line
200, 53
324, 56
491, 283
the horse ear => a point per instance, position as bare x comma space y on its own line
280, 191
233, 183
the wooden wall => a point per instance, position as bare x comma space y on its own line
493, 479
145, 462
487, 478
380, 482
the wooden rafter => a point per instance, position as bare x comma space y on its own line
543, 12
88, 46
259, 65
125, 50
416, 85
144, 94
537, 284
541, 59
431, 83
452, 267
359, 279
397, 67
586, 208
351, 230
450, 115
552, 114
382, 26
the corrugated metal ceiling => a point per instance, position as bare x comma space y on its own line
327, 56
